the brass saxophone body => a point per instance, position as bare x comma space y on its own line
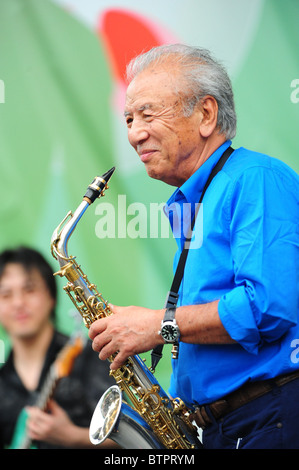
151, 419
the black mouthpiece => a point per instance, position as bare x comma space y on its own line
106, 176
96, 188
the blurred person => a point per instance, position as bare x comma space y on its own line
28, 299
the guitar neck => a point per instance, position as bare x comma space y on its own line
48, 388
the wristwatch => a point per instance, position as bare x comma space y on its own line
169, 329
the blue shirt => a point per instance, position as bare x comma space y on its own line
245, 253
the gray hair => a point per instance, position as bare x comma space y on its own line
203, 76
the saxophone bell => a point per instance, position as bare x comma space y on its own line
115, 419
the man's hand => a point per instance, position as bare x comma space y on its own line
129, 331
133, 330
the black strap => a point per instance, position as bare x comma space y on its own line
173, 296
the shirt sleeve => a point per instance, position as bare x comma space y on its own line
263, 212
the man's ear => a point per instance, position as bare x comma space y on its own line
209, 110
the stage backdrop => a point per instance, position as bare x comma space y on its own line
62, 91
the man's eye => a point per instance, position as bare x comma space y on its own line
129, 121
30, 289
5, 294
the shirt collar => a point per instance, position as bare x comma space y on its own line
192, 188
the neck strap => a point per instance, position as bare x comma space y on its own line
173, 295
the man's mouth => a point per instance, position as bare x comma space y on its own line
22, 316
145, 155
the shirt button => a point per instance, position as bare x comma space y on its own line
279, 425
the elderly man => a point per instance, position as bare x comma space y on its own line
237, 310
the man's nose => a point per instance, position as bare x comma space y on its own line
137, 133
18, 299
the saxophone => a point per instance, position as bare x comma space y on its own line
148, 418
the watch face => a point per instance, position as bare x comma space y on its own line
169, 332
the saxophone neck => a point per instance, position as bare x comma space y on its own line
64, 230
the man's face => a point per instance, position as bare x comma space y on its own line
25, 301
168, 143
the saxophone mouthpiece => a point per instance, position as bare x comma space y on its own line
97, 187
106, 176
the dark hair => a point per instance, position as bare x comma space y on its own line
30, 259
